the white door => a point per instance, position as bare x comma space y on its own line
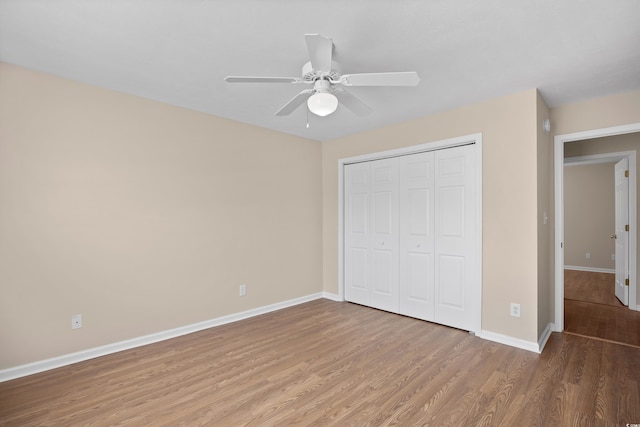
455, 243
384, 235
622, 234
356, 233
371, 234
410, 235
417, 235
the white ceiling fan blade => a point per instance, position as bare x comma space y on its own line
292, 105
352, 103
320, 50
251, 79
407, 78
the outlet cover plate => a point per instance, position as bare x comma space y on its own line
515, 309
76, 321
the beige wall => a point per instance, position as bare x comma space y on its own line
596, 113
615, 110
589, 215
510, 214
142, 216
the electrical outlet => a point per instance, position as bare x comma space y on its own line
243, 290
76, 321
613, 257
515, 309
588, 254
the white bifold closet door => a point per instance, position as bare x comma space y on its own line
371, 224
417, 238
410, 235
455, 243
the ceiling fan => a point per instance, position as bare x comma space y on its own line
322, 73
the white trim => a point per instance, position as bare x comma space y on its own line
589, 269
476, 139
535, 347
413, 149
80, 356
558, 175
340, 230
558, 182
542, 341
510, 341
595, 159
331, 296
478, 296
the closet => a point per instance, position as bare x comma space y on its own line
410, 237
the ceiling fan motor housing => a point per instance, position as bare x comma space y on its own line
322, 86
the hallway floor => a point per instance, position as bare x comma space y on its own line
591, 309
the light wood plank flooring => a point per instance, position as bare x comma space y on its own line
591, 309
328, 363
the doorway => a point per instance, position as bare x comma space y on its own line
596, 256
559, 150
596, 205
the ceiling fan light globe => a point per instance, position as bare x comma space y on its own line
322, 103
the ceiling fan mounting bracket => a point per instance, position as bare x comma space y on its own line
309, 75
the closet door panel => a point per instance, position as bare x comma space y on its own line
356, 233
384, 234
452, 211
416, 235
455, 218
452, 280
383, 280
419, 282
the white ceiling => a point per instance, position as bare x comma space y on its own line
179, 51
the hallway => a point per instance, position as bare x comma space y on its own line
592, 310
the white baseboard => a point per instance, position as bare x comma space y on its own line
332, 297
590, 269
68, 359
510, 341
80, 356
517, 342
542, 341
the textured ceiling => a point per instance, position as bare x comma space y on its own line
179, 51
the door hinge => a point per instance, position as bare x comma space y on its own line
626, 282
626, 227
626, 174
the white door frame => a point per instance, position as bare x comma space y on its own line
558, 162
430, 146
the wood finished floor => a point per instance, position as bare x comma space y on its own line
588, 286
591, 309
327, 363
